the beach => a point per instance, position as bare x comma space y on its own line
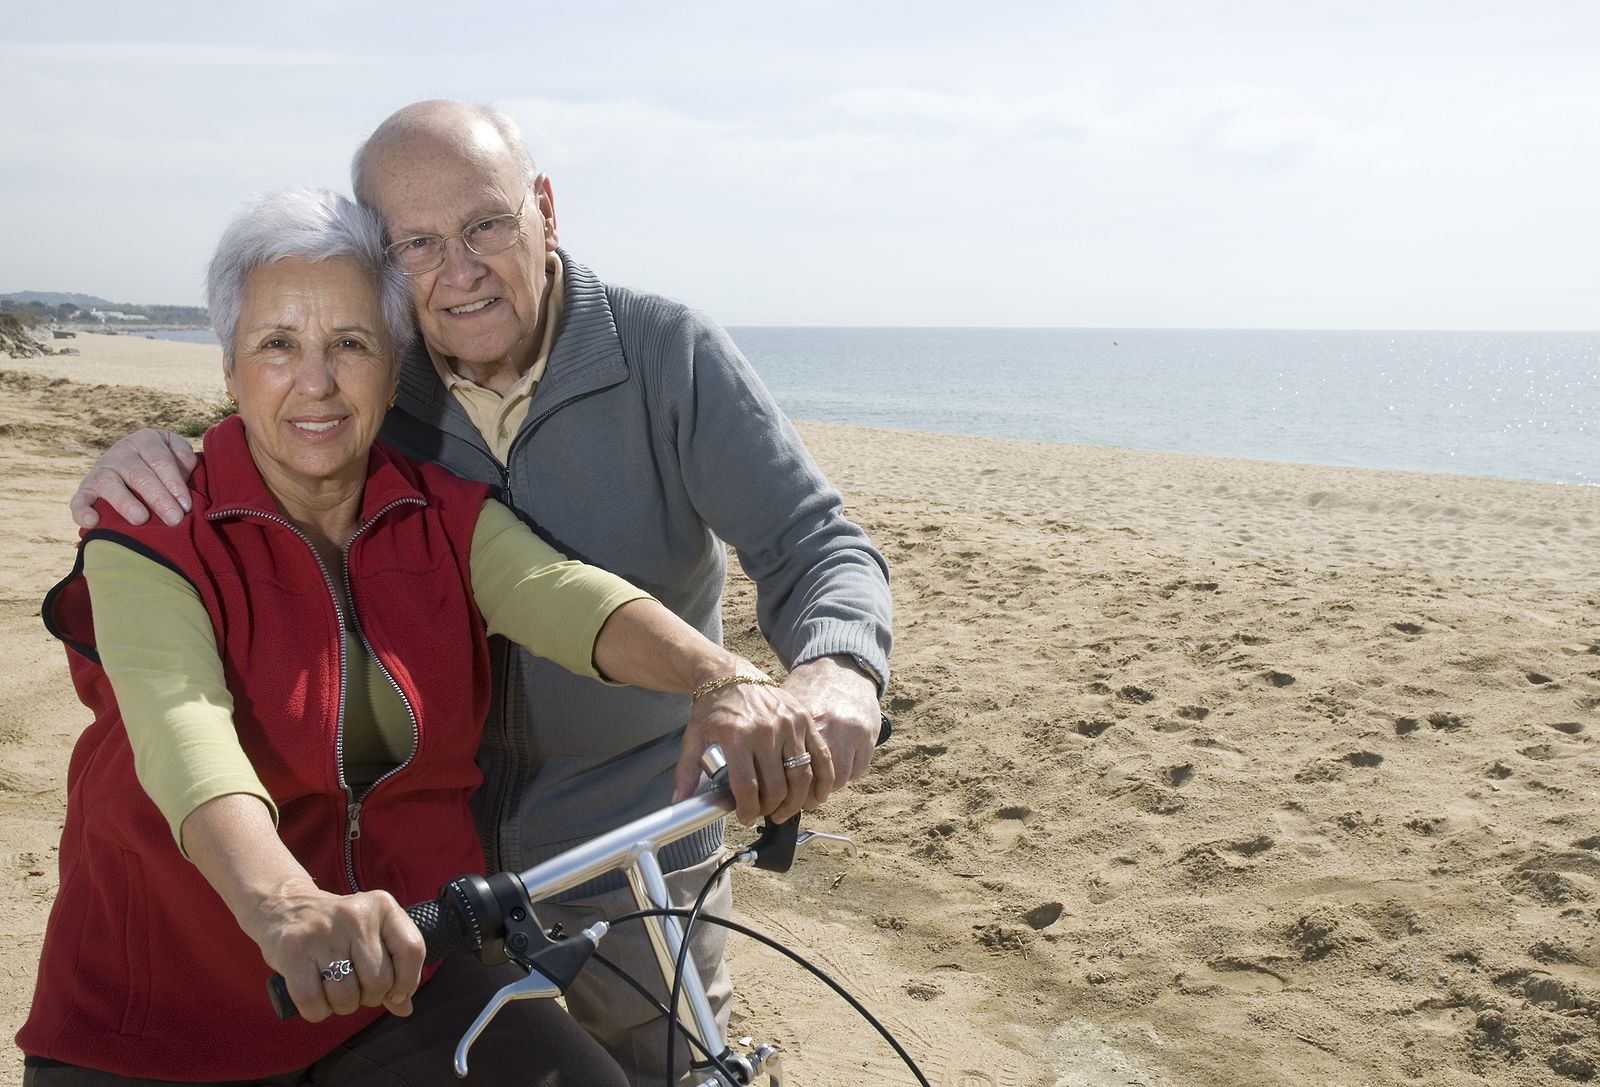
1205, 771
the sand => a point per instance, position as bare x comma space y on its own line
1206, 772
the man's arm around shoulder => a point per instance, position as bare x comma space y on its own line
147, 470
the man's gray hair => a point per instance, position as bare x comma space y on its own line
498, 119
312, 225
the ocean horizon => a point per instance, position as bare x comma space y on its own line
1508, 405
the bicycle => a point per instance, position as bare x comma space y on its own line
493, 917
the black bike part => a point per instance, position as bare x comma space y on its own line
774, 849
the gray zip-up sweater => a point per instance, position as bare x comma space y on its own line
650, 441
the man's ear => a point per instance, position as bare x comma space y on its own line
547, 210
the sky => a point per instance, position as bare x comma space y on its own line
1058, 164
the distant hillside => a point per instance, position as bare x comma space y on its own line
66, 306
55, 298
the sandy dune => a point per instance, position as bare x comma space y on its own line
1207, 772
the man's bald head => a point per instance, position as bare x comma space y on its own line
482, 134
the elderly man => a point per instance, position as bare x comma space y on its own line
628, 430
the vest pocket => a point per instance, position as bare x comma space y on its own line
135, 943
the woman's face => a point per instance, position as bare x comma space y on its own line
313, 372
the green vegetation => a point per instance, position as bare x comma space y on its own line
199, 424
23, 318
71, 311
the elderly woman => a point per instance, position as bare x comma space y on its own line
288, 689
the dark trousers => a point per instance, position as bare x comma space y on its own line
528, 1042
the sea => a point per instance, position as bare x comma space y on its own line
1512, 405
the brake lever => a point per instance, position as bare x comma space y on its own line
806, 837
533, 987
561, 958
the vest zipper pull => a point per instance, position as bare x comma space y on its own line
353, 820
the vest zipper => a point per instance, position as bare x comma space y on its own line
352, 819
353, 814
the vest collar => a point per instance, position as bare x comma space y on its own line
233, 483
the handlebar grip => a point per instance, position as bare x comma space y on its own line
443, 930
278, 993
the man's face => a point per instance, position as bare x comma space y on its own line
480, 311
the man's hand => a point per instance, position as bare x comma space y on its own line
758, 727
843, 702
152, 465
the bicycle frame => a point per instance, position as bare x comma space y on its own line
632, 849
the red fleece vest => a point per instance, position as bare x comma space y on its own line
144, 971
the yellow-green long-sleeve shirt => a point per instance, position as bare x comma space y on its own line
159, 651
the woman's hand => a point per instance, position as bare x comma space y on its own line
305, 932
301, 929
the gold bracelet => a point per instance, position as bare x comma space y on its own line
712, 685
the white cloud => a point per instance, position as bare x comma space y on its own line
177, 54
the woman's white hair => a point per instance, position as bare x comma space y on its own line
311, 225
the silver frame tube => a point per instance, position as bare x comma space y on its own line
614, 850
631, 848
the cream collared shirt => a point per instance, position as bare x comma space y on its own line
499, 417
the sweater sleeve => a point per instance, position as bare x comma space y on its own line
821, 587
529, 592
159, 652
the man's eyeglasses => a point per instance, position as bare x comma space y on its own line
423, 253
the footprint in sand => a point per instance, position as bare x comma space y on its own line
1008, 827
1407, 628
1538, 679
1404, 726
1231, 974
1108, 881
1277, 678
1043, 915
1092, 728
1555, 878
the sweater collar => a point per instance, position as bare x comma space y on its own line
230, 480
585, 356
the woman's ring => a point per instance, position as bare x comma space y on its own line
337, 970
802, 759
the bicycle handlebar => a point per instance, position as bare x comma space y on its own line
486, 915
